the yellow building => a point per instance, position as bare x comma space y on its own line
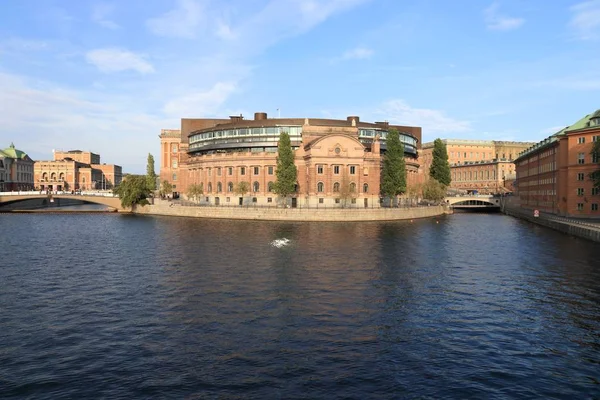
16, 170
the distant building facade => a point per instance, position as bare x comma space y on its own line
16, 170
76, 170
338, 161
553, 175
486, 166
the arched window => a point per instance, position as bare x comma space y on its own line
320, 187
45, 176
61, 177
366, 188
219, 187
352, 187
270, 187
336, 187
53, 177
255, 187
209, 187
230, 187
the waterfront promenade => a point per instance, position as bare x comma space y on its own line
166, 208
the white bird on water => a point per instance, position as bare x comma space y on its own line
279, 243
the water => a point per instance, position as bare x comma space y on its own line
466, 306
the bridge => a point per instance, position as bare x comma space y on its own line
474, 202
105, 199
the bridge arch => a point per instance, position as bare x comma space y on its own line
109, 201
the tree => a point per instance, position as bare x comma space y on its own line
150, 174
434, 190
242, 188
133, 190
166, 188
393, 174
195, 191
440, 167
347, 189
595, 176
286, 174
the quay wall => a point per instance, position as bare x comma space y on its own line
571, 227
293, 214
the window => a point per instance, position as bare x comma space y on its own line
270, 170
595, 191
230, 187
174, 164
337, 201
219, 187
269, 199
352, 187
208, 171
366, 188
254, 199
255, 187
352, 170
320, 187
319, 169
580, 191
242, 170
594, 206
579, 206
227, 199
581, 140
595, 138
336, 187
336, 169
580, 176
209, 187
219, 171
174, 148
174, 177
229, 171
595, 158
255, 170
365, 171
270, 187
581, 158
353, 201
321, 200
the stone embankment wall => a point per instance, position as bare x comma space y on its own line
294, 214
573, 227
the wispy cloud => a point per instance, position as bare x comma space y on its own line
497, 21
358, 53
100, 14
585, 20
400, 112
202, 103
182, 21
21, 44
115, 60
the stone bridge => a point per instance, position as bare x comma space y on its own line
474, 202
113, 202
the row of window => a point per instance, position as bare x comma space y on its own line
457, 176
337, 187
595, 191
581, 139
594, 207
271, 170
581, 158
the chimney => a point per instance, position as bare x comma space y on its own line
260, 116
236, 118
353, 117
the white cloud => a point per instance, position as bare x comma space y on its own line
432, 121
499, 22
100, 13
21, 44
114, 60
585, 21
200, 103
358, 53
182, 21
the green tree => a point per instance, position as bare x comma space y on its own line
440, 167
133, 190
242, 188
194, 191
347, 190
150, 174
595, 176
286, 174
166, 188
434, 190
393, 174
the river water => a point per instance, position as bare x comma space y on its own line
464, 306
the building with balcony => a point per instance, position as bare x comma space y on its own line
338, 161
554, 174
74, 170
16, 170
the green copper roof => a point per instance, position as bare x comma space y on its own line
12, 152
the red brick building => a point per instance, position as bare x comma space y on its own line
338, 161
553, 175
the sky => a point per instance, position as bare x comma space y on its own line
107, 76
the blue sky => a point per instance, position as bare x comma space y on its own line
106, 76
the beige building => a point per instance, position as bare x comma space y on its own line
70, 170
338, 161
16, 170
482, 165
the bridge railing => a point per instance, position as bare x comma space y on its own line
57, 193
